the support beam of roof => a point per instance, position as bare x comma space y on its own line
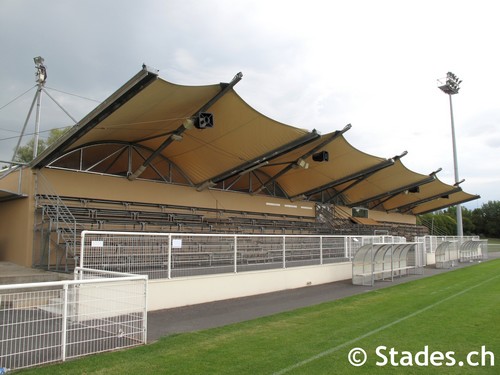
181, 129
152, 137
410, 206
364, 177
260, 160
225, 87
432, 177
452, 204
384, 164
351, 185
126, 146
136, 84
290, 166
394, 192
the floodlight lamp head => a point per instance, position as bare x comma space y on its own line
38, 60
41, 71
176, 137
451, 84
302, 163
188, 123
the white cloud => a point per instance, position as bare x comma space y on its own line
315, 64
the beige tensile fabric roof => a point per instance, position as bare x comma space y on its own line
344, 160
244, 149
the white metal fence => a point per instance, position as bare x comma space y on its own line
449, 250
449, 253
431, 243
170, 255
53, 321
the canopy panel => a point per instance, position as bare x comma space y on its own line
343, 160
240, 134
386, 182
153, 112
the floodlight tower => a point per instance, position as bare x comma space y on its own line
451, 85
41, 77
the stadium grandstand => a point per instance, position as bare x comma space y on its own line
166, 158
167, 195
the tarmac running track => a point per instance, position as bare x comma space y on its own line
216, 314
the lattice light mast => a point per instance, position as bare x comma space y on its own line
41, 77
451, 85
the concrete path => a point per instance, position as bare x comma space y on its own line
11, 273
215, 314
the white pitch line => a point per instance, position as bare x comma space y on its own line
347, 343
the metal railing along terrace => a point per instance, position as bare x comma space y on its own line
171, 255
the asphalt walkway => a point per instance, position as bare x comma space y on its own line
216, 314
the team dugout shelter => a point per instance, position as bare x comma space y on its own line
159, 156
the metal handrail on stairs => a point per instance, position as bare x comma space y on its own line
334, 217
61, 216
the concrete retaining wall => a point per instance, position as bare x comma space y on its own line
163, 294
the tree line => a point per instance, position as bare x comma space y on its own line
24, 154
484, 221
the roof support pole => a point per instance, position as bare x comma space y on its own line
37, 119
394, 192
450, 205
364, 177
260, 160
351, 185
181, 129
136, 84
355, 176
412, 205
225, 87
290, 166
26, 123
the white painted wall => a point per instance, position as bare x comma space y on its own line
164, 294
